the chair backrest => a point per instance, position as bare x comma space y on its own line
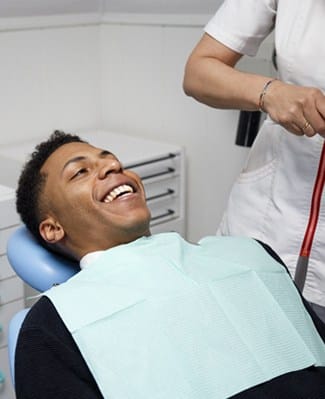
13, 331
39, 268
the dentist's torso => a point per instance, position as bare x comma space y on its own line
271, 198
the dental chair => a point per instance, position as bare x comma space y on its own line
40, 269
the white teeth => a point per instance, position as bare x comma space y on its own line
124, 188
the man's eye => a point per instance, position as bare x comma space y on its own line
79, 173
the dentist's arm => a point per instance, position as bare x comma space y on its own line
211, 78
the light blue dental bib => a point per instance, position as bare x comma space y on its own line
164, 319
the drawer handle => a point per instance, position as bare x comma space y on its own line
2, 377
165, 172
166, 194
135, 165
163, 215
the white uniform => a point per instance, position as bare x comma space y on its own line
271, 198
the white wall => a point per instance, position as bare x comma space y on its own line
124, 74
49, 78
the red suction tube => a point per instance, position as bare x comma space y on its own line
302, 264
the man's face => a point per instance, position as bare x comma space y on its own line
92, 203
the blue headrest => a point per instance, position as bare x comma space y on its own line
39, 268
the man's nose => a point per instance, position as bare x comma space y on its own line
109, 166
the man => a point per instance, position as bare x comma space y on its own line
152, 316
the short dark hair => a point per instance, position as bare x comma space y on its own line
31, 181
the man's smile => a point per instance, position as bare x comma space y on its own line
118, 191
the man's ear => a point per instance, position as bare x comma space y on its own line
51, 230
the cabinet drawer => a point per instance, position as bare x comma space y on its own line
164, 188
11, 289
4, 235
162, 211
6, 313
5, 269
6, 388
159, 167
177, 225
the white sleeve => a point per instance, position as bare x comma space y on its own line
242, 25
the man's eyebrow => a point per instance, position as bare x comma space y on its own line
102, 154
105, 153
72, 160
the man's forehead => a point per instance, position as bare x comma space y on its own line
72, 152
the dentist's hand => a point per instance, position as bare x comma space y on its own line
300, 110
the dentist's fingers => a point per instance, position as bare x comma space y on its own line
300, 110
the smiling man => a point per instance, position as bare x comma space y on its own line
152, 316
84, 180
